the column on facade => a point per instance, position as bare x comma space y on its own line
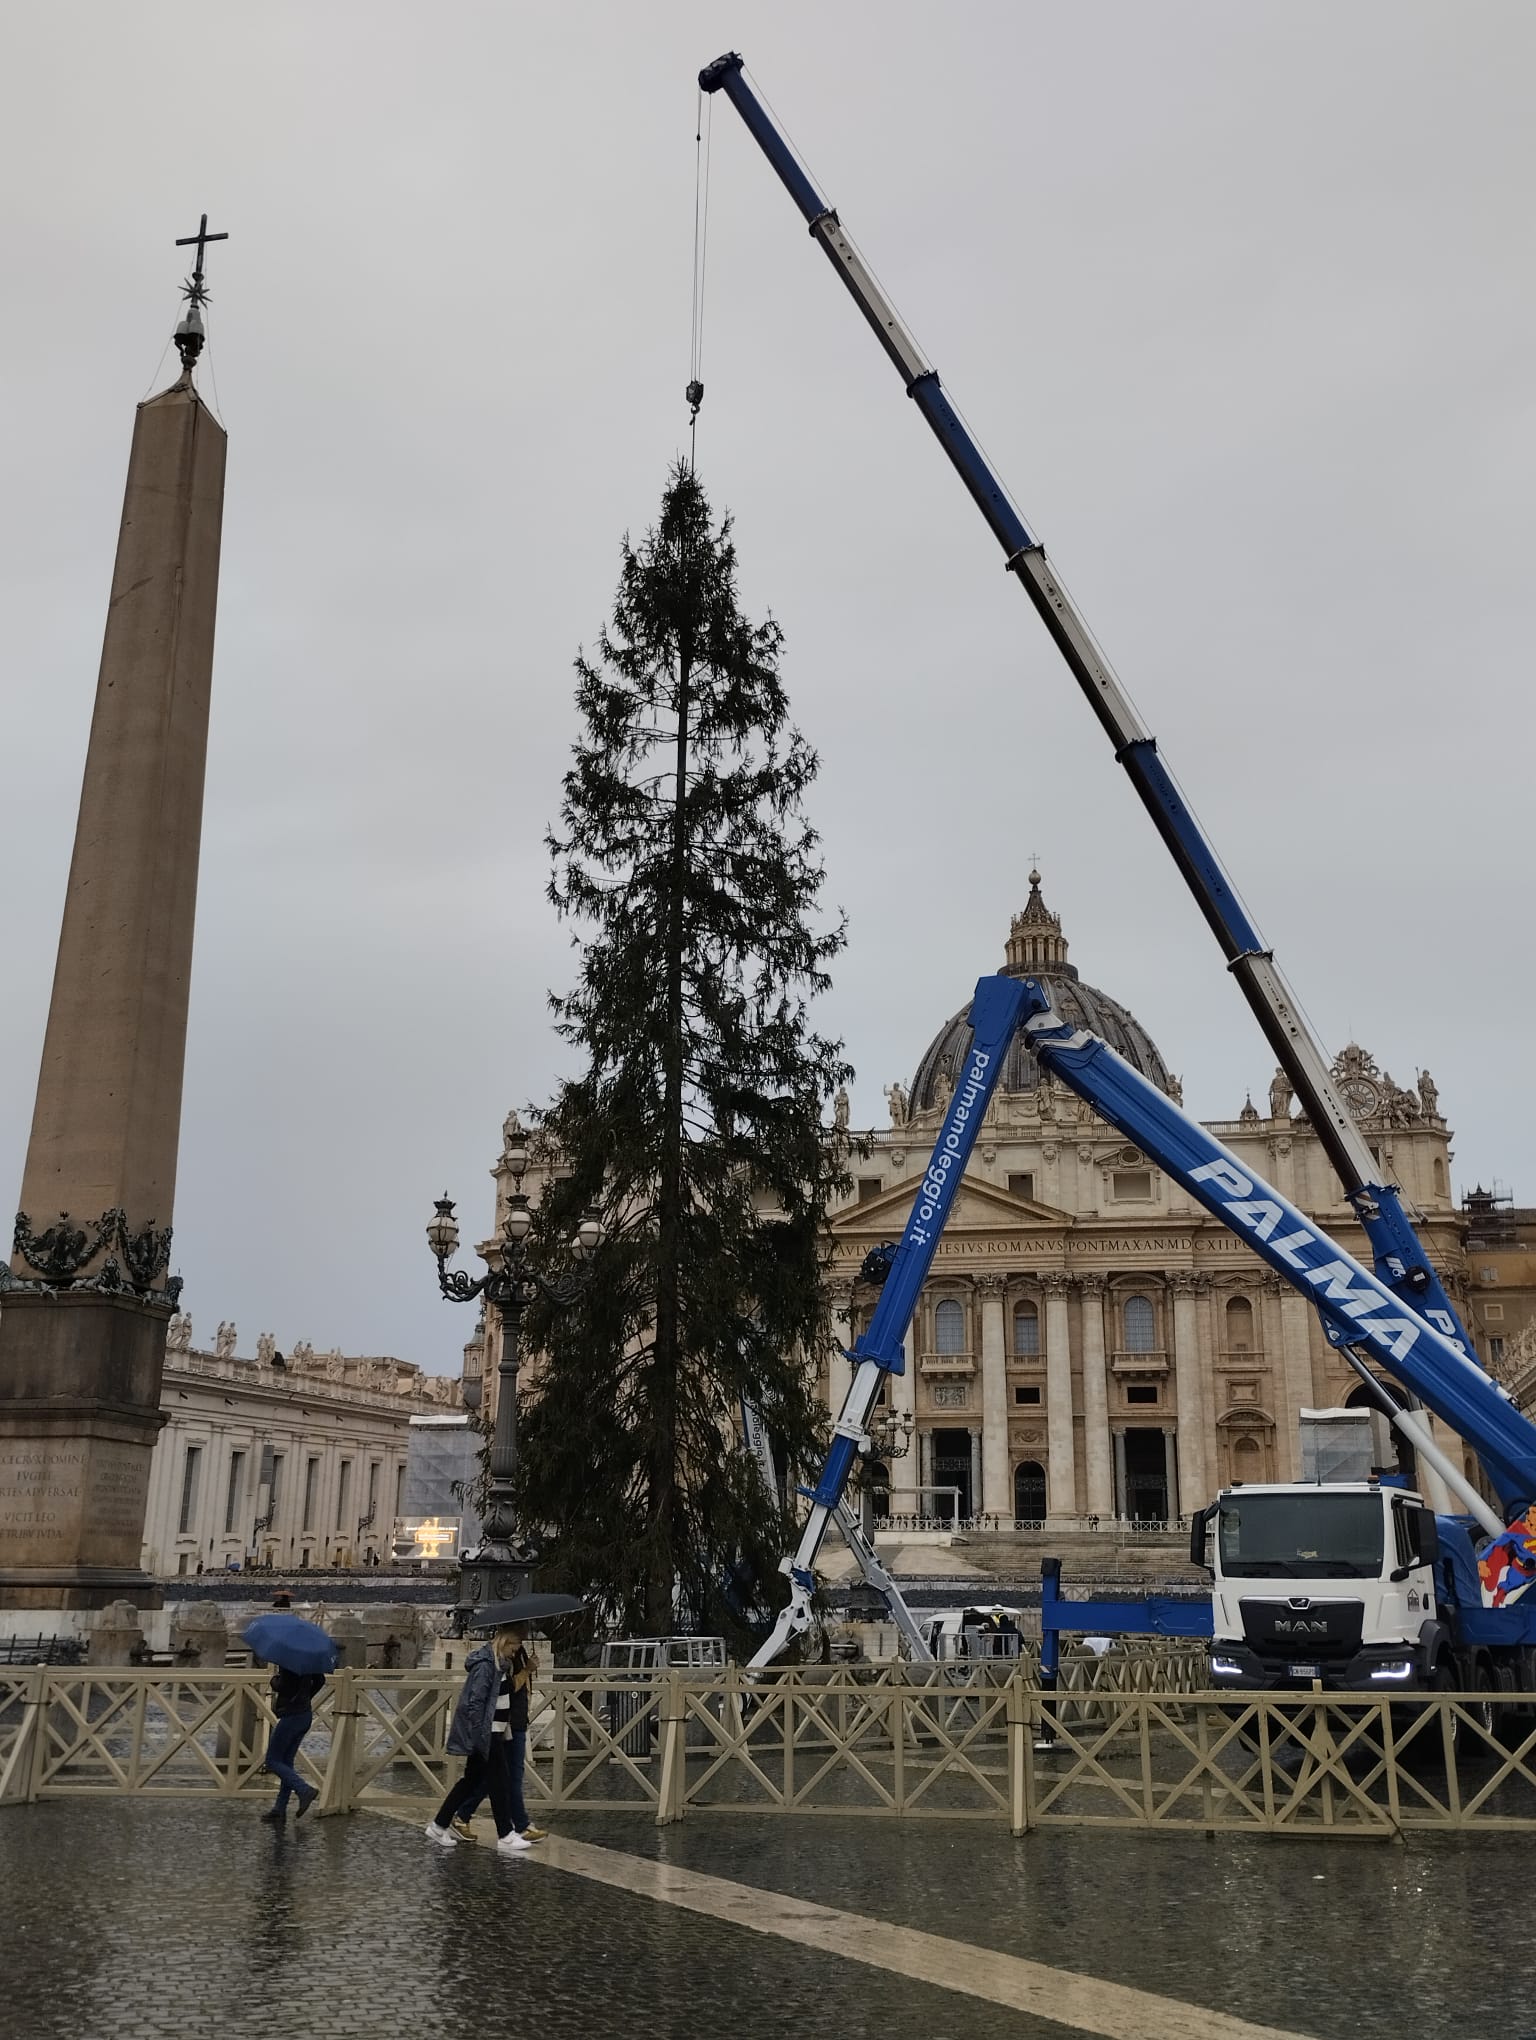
1061, 1481
1213, 1380
1281, 1173
996, 1477
1049, 1186
1207, 1348
1101, 1494
1186, 1378
1173, 1470
1296, 1362
1277, 1395
905, 1474
839, 1367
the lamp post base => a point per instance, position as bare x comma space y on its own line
496, 1572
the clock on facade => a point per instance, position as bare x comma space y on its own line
1362, 1096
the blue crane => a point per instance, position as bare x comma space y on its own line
1399, 1256
1397, 1320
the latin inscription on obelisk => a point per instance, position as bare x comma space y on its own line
57, 1499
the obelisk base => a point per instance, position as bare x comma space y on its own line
78, 1422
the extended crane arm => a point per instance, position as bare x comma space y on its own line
1399, 1256
880, 1349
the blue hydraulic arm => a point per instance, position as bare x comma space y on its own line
1399, 1256
1146, 1615
880, 1348
1359, 1310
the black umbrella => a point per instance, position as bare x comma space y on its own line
524, 1608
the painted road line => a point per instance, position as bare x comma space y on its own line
1083, 2004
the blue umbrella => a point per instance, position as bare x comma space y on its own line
293, 1643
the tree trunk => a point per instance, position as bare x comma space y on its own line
662, 1570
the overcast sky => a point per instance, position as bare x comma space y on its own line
1240, 301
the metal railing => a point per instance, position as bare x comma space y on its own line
1129, 1739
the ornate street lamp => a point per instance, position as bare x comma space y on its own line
502, 1565
890, 1437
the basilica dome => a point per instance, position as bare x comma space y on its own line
1038, 949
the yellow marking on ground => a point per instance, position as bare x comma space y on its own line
1083, 2004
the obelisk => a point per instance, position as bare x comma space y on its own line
86, 1300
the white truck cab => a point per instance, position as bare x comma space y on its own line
1329, 1583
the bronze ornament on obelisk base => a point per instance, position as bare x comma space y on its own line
86, 1299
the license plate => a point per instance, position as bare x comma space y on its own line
1304, 1671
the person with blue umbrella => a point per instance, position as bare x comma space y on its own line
301, 1654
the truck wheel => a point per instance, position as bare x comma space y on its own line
1486, 1713
1445, 1681
1512, 1717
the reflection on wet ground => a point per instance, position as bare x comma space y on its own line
143, 1920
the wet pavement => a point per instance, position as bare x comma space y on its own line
148, 1920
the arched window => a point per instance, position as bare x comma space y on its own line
949, 1327
1247, 1460
1026, 1330
1029, 1491
1140, 1321
1239, 1325
1361, 1399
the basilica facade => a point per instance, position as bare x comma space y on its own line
1092, 1347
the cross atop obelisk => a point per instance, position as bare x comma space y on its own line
88, 1292
190, 334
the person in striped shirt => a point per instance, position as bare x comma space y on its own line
490, 1730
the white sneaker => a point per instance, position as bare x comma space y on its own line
512, 1844
444, 1837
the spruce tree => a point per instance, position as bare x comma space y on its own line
691, 878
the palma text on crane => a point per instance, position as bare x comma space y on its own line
1343, 1287
951, 1150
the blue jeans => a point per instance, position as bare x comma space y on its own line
519, 1754
517, 1757
288, 1731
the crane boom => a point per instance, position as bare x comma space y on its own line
1399, 1256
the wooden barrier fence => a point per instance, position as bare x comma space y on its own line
1121, 1747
